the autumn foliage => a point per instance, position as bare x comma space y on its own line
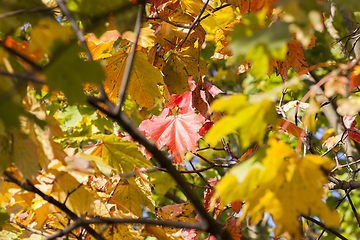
179, 119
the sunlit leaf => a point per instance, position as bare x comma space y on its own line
118, 153
286, 186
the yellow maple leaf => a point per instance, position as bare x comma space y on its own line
282, 184
180, 66
250, 120
46, 32
143, 82
133, 193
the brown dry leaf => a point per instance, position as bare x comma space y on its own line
295, 58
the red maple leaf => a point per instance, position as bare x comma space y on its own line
178, 132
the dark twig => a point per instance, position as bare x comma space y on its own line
199, 174
23, 11
130, 59
170, 22
215, 10
211, 225
22, 77
325, 227
194, 23
75, 26
32, 230
82, 222
27, 185
354, 209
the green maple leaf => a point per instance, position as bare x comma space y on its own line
67, 72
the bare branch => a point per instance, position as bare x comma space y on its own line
75, 26
130, 59
28, 60
32, 230
25, 77
27, 185
23, 11
82, 222
344, 185
325, 227
195, 22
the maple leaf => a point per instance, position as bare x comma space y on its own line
203, 95
180, 66
295, 58
131, 194
80, 201
101, 48
290, 127
278, 184
50, 30
68, 69
144, 78
118, 153
179, 133
208, 193
241, 117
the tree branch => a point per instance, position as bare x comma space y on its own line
32, 230
28, 60
196, 21
82, 222
130, 59
344, 185
22, 77
27, 185
325, 227
79, 34
23, 11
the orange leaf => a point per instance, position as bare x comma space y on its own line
354, 78
295, 58
290, 127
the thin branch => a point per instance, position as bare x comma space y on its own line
75, 26
27, 185
22, 77
325, 227
199, 174
170, 22
344, 185
23, 11
195, 22
82, 222
353, 209
28, 60
130, 59
212, 226
32, 230
215, 10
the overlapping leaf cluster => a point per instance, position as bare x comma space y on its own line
189, 53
